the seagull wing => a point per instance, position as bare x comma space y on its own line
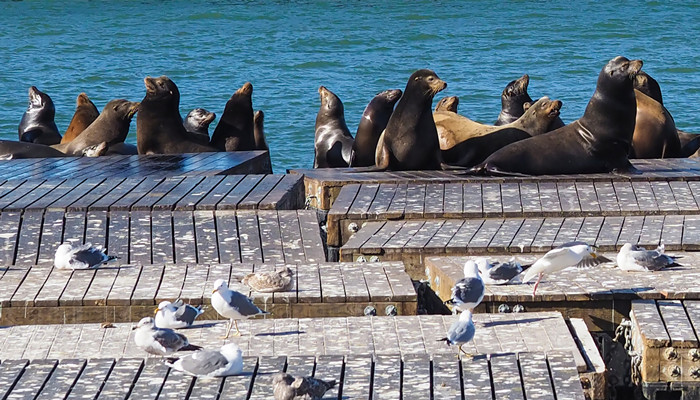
86, 256
555, 260
203, 362
504, 271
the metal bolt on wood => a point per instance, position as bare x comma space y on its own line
671, 354
374, 259
695, 372
676, 371
694, 355
353, 228
361, 259
504, 308
518, 308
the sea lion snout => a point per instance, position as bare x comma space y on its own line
246, 89
634, 67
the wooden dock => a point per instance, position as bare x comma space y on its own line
442, 376
666, 353
601, 295
323, 186
360, 203
45, 295
120, 166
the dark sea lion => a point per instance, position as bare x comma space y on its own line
196, 124
259, 130
475, 150
410, 140
234, 132
513, 97
159, 128
332, 139
372, 124
124, 149
37, 124
85, 114
649, 86
454, 129
449, 103
12, 150
597, 142
111, 126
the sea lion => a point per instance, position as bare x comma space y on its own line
159, 128
85, 114
234, 132
332, 139
454, 129
513, 97
655, 134
449, 103
124, 149
259, 130
12, 150
597, 142
475, 150
112, 126
37, 124
372, 124
196, 124
410, 140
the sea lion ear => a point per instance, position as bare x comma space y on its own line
526, 105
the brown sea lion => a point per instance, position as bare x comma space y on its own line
159, 128
454, 129
655, 134
410, 140
234, 132
513, 97
332, 139
111, 126
85, 114
196, 124
374, 119
597, 142
449, 103
475, 150
37, 124
259, 130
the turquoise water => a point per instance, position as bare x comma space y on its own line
288, 48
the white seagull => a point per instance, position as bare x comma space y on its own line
498, 273
80, 257
176, 315
461, 331
233, 305
210, 363
287, 387
159, 341
567, 255
468, 292
636, 258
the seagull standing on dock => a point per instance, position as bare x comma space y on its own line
567, 255
210, 363
80, 257
461, 331
159, 341
637, 258
468, 292
498, 273
233, 305
176, 315
287, 387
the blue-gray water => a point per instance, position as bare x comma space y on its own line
288, 48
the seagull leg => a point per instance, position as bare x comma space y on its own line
461, 350
539, 278
230, 324
238, 332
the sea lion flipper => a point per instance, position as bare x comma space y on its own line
626, 171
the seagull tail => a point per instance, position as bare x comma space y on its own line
200, 309
528, 275
331, 383
170, 361
446, 340
191, 347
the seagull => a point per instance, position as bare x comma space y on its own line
468, 292
159, 341
80, 257
233, 305
461, 331
176, 315
498, 273
268, 282
637, 258
210, 363
567, 255
287, 387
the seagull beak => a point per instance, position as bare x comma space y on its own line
594, 255
214, 291
156, 310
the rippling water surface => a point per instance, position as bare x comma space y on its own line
287, 49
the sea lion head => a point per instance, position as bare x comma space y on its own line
161, 88
648, 85
259, 117
621, 68
83, 100
330, 103
426, 82
391, 95
449, 103
39, 99
246, 90
199, 118
123, 109
549, 108
517, 87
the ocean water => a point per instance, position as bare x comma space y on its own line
286, 49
